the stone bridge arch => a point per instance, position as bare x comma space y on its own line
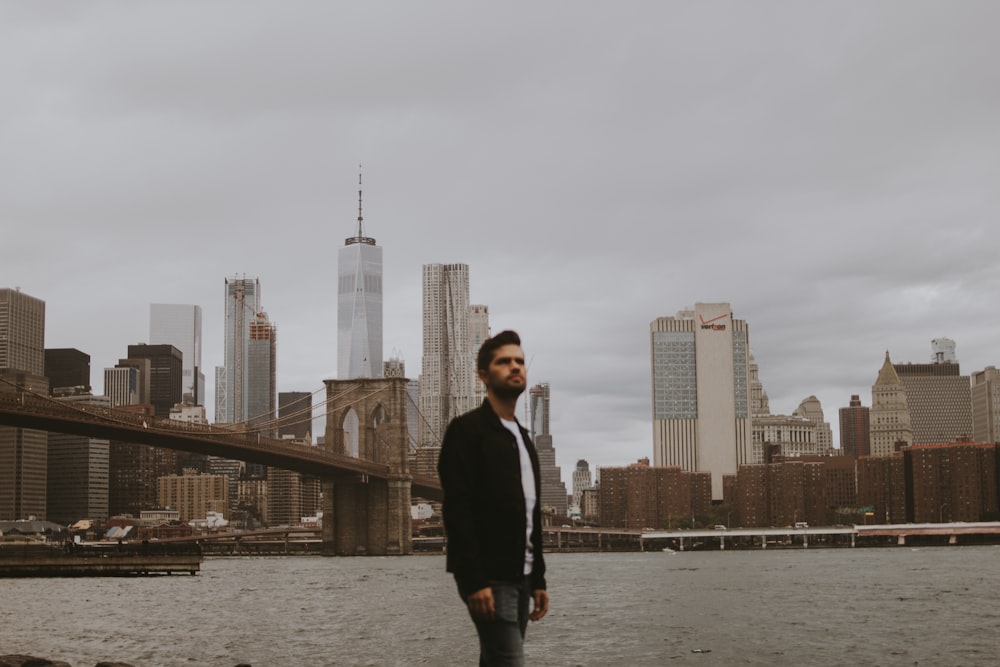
364, 516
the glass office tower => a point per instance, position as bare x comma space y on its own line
359, 306
180, 325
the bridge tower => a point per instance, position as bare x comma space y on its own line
366, 418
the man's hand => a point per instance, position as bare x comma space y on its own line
481, 606
541, 598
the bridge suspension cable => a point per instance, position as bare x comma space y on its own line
303, 415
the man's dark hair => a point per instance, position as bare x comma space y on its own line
490, 345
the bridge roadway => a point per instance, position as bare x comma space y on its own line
27, 410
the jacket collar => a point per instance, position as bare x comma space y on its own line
487, 413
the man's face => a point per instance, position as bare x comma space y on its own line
506, 376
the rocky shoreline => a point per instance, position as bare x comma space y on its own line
31, 661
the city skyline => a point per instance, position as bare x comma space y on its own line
529, 414
835, 183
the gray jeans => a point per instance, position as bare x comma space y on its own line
501, 641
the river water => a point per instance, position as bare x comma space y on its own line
887, 606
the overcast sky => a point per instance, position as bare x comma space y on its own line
830, 169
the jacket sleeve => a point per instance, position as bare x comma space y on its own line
538, 567
458, 480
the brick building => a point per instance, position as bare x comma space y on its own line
854, 428
951, 482
751, 498
193, 495
794, 489
882, 487
641, 496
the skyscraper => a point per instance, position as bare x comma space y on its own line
22, 332
242, 304
246, 386
889, 426
986, 405
23, 452
854, 428
121, 385
165, 375
479, 331
447, 386
701, 403
67, 369
446, 383
143, 372
295, 414
133, 469
359, 305
581, 482
180, 325
261, 394
938, 397
165, 380
78, 469
539, 398
553, 489
760, 406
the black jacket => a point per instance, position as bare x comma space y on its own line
484, 514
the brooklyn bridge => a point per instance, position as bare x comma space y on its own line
366, 497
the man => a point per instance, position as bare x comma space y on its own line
490, 476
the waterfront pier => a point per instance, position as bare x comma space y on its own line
925, 534
73, 560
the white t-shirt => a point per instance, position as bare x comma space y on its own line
528, 486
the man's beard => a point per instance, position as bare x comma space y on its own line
507, 392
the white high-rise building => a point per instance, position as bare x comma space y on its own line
448, 369
122, 385
231, 380
479, 331
985, 393
889, 418
701, 402
359, 306
811, 409
180, 325
581, 481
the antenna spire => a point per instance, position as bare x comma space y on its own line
360, 217
360, 237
